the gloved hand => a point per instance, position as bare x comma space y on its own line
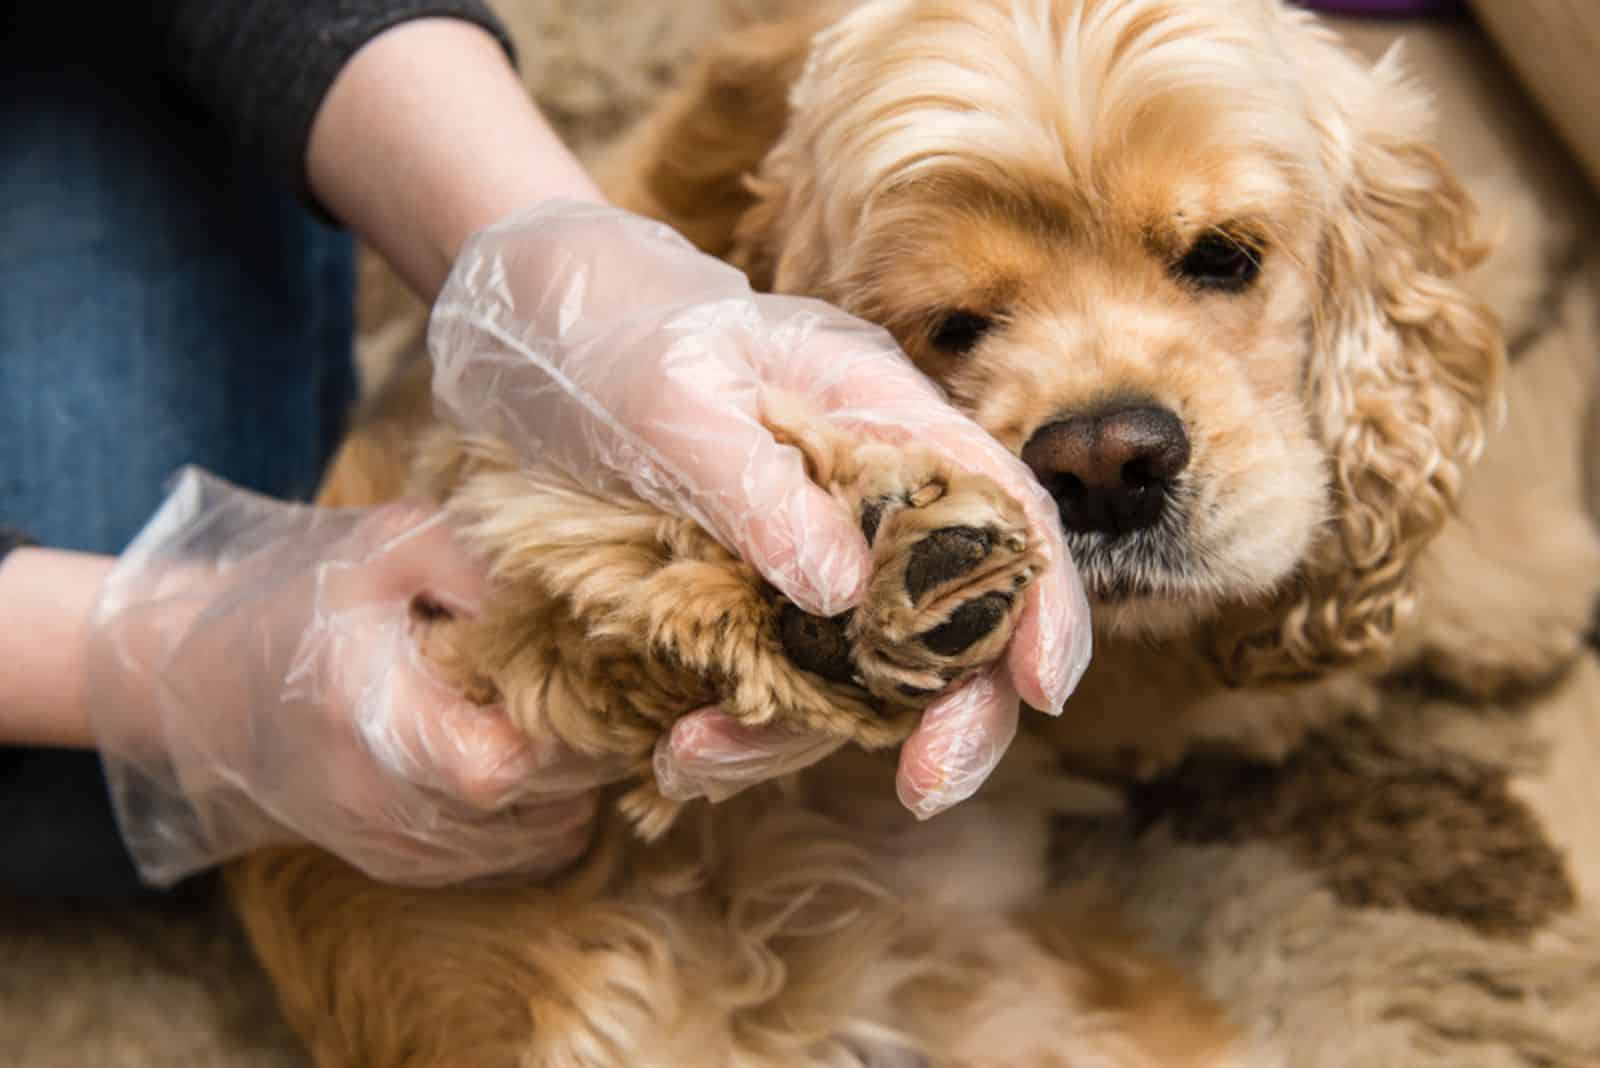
252, 680
605, 345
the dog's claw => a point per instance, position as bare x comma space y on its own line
872, 513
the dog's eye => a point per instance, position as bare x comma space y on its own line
959, 331
1218, 261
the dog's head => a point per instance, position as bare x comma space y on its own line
1188, 259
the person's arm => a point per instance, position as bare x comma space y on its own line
403, 119
46, 599
426, 137
262, 68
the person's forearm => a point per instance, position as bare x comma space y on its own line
46, 599
427, 136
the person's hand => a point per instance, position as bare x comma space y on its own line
605, 345
253, 679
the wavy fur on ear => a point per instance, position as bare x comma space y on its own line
1404, 377
711, 135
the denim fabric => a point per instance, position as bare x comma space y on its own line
160, 304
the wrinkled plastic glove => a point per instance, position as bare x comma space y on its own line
605, 345
253, 680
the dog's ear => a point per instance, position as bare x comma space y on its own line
691, 162
1404, 374
784, 239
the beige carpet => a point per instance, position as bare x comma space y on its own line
1277, 926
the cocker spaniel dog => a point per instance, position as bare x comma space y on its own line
1198, 267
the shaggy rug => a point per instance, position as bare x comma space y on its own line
1416, 890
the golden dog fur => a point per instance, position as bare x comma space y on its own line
1043, 164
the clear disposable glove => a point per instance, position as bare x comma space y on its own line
605, 345
252, 679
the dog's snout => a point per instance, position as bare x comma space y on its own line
1110, 472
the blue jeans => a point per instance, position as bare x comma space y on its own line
160, 304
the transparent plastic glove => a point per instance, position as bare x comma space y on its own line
957, 745
605, 345
253, 680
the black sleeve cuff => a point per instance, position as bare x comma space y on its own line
12, 539
262, 67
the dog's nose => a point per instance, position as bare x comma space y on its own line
1110, 472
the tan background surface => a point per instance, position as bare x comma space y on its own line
1554, 45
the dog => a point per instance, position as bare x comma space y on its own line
1199, 268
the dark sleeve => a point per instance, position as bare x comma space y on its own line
262, 67
11, 539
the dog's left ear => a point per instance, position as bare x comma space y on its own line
1404, 375
692, 163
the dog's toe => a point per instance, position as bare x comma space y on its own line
817, 644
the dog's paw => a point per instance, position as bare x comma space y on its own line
951, 559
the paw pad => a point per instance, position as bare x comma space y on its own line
817, 644
944, 556
968, 624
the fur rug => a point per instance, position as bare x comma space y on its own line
1416, 890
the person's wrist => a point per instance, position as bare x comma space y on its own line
12, 539
46, 600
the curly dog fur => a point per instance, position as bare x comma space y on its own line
1042, 173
